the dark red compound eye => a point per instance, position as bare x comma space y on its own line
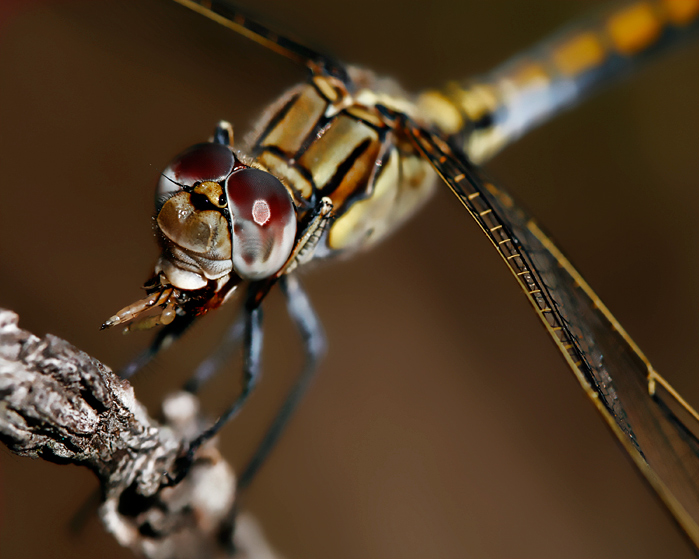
201, 162
263, 222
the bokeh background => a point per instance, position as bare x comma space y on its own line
443, 422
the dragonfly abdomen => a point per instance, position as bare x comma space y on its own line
494, 110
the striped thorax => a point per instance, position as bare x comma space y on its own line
324, 141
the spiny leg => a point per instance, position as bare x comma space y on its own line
314, 345
252, 352
163, 339
316, 224
226, 347
305, 246
252, 317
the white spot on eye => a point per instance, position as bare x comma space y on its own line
260, 212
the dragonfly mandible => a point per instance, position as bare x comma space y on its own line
544, 221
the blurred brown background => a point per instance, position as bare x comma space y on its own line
443, 422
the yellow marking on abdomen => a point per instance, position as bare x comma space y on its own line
681, 12
579, 54
530, 75
476, 101
634, 28
440, 110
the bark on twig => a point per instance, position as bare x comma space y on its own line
60, 404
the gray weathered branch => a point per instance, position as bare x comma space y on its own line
60, 404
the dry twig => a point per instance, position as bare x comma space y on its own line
60, 404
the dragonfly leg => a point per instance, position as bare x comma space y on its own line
210, 366
251, 371
164, 338
308, 241
314, 344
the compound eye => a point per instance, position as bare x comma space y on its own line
263, 222
202, 162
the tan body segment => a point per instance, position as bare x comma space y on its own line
495, 109
343, 150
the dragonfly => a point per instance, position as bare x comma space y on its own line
338, 163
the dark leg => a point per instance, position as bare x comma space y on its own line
251, 373
222, 353
166, 336
306, 244
311, 330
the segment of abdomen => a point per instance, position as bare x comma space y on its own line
374, 179
495, 109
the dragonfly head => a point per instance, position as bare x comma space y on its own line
218, 222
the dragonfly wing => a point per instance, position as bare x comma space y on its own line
226, 14
655, 426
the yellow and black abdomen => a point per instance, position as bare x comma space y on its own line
491, 111
374, 179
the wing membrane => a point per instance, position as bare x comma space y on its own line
640, 407
226, 14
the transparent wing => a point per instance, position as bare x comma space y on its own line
226, 14
655, 426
